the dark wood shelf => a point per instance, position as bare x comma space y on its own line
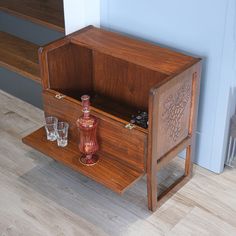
109, 172
20, 56
45, 12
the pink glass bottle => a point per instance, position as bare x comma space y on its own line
87, 126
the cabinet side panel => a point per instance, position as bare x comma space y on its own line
172, 103
43, 59
70, 68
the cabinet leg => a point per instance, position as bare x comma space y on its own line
152, 189
188, 161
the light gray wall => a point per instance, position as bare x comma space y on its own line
204, 28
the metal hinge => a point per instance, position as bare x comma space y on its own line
129, 126
194, 75
59, 96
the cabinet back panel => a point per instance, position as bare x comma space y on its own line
70, 68
123, 81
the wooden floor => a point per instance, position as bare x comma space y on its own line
39, 196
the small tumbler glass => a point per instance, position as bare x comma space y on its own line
50, 127
62, 134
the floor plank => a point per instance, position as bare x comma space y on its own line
200, 222
39, 196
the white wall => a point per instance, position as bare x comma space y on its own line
80, 13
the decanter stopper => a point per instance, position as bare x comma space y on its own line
87, 127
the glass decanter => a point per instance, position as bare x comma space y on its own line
87, 127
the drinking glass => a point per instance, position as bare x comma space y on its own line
50, 127
62, 134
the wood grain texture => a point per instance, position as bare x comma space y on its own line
45, 12
153, 57
109, 172
114, 139
205, 223
122, 81
70, 68
173, 107
118, 71
172, 153
43, 61
20, 56
173, 101
42, 197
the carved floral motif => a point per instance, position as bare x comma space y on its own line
173, 110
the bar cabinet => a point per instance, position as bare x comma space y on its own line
121, 75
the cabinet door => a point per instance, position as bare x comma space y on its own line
115, 140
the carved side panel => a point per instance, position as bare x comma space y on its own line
173, 114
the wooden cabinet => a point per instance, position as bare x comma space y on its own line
122, 75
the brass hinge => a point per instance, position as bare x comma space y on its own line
129, 126
194, 75
59, 96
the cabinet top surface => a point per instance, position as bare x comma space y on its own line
136, 51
